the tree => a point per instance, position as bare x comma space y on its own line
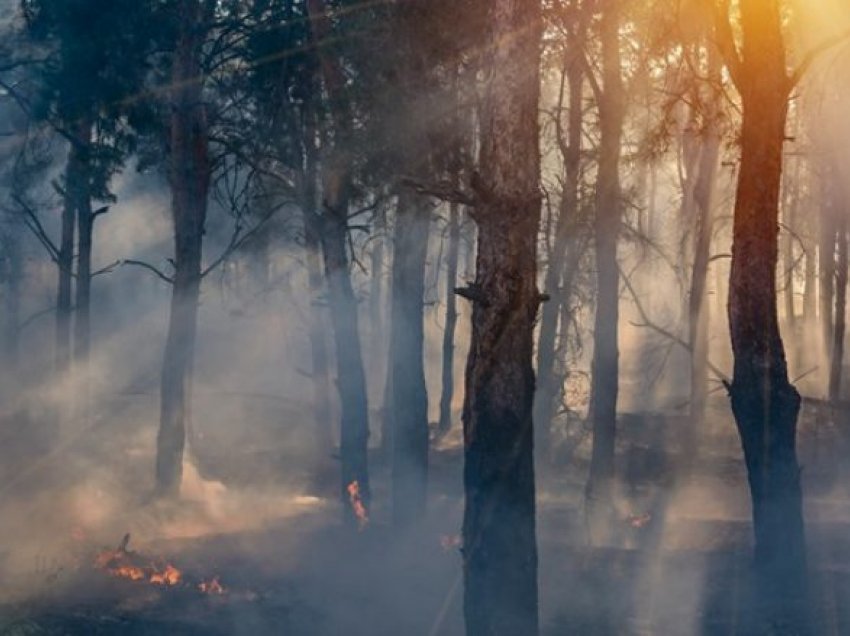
607, 222
764, 402
500, 548
189, 175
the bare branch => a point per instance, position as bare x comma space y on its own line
150, 268
812, 56
442, 190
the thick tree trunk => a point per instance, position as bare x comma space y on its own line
13, 274
837, 354
336, 190
764, 402
499, 528
409, 397
448, 358
548, 389
605, 366
190, 179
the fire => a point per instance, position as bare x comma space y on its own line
357, 504
213, 586
169, 576
449, 541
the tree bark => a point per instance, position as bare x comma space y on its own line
608, 217
190, 178
765, 404
409, 400
499, 533
826, 260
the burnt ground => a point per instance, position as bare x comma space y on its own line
677, 563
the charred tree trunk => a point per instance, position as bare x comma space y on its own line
448, 357
548, 389
407, 336
837, 357
765, 404
336, 192
499, 527
189, 178
605, 366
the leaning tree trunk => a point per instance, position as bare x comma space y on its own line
499, 527
605, 366
336, 181
548, 388
764, 402
826, 261
409, 400
447, 376
836, 363
190, 178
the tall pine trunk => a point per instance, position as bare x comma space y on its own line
190, 179
703, 201
82, 301
605, 365
409, 400
764, 402
548, 389
499, 527
336, 193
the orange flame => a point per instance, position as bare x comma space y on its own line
357, 505
639, 521
169, 576
449, 541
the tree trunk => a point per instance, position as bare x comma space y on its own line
190, 179
764, 402
837, 357
336, 191
82, 304
605, 365
448, 358
826, 261
548, 389
409, 397
790, 213
315, 283
697, 310
499, 534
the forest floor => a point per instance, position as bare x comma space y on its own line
678, 562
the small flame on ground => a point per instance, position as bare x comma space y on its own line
169, 576
212, 586
357, 504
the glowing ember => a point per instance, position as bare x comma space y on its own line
449, 541
357, 504
169, 576
639, 521
213, 586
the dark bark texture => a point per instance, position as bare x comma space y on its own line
764, 402
190, 179
499, 533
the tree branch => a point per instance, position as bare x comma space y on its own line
812, 56
150, 268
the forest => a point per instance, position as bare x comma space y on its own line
424, 317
